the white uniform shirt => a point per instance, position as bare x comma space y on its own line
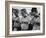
27, 19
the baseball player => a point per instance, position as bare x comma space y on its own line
25, 21
15, 20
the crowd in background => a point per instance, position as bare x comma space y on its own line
26, 21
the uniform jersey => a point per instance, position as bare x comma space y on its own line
16, 24
25, 22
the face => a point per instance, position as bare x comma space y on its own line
34, 12
23, 13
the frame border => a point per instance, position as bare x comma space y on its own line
7, 19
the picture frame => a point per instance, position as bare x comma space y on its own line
7, 21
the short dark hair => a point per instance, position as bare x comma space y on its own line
23, 11
15, 11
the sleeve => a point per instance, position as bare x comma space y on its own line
31, 17
13, 16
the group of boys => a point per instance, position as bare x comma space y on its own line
26, 21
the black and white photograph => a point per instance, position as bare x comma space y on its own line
25, 18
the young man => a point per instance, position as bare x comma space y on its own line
36, 24
15, 20
25, 21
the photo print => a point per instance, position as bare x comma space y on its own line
25, 18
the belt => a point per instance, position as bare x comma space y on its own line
24, 23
